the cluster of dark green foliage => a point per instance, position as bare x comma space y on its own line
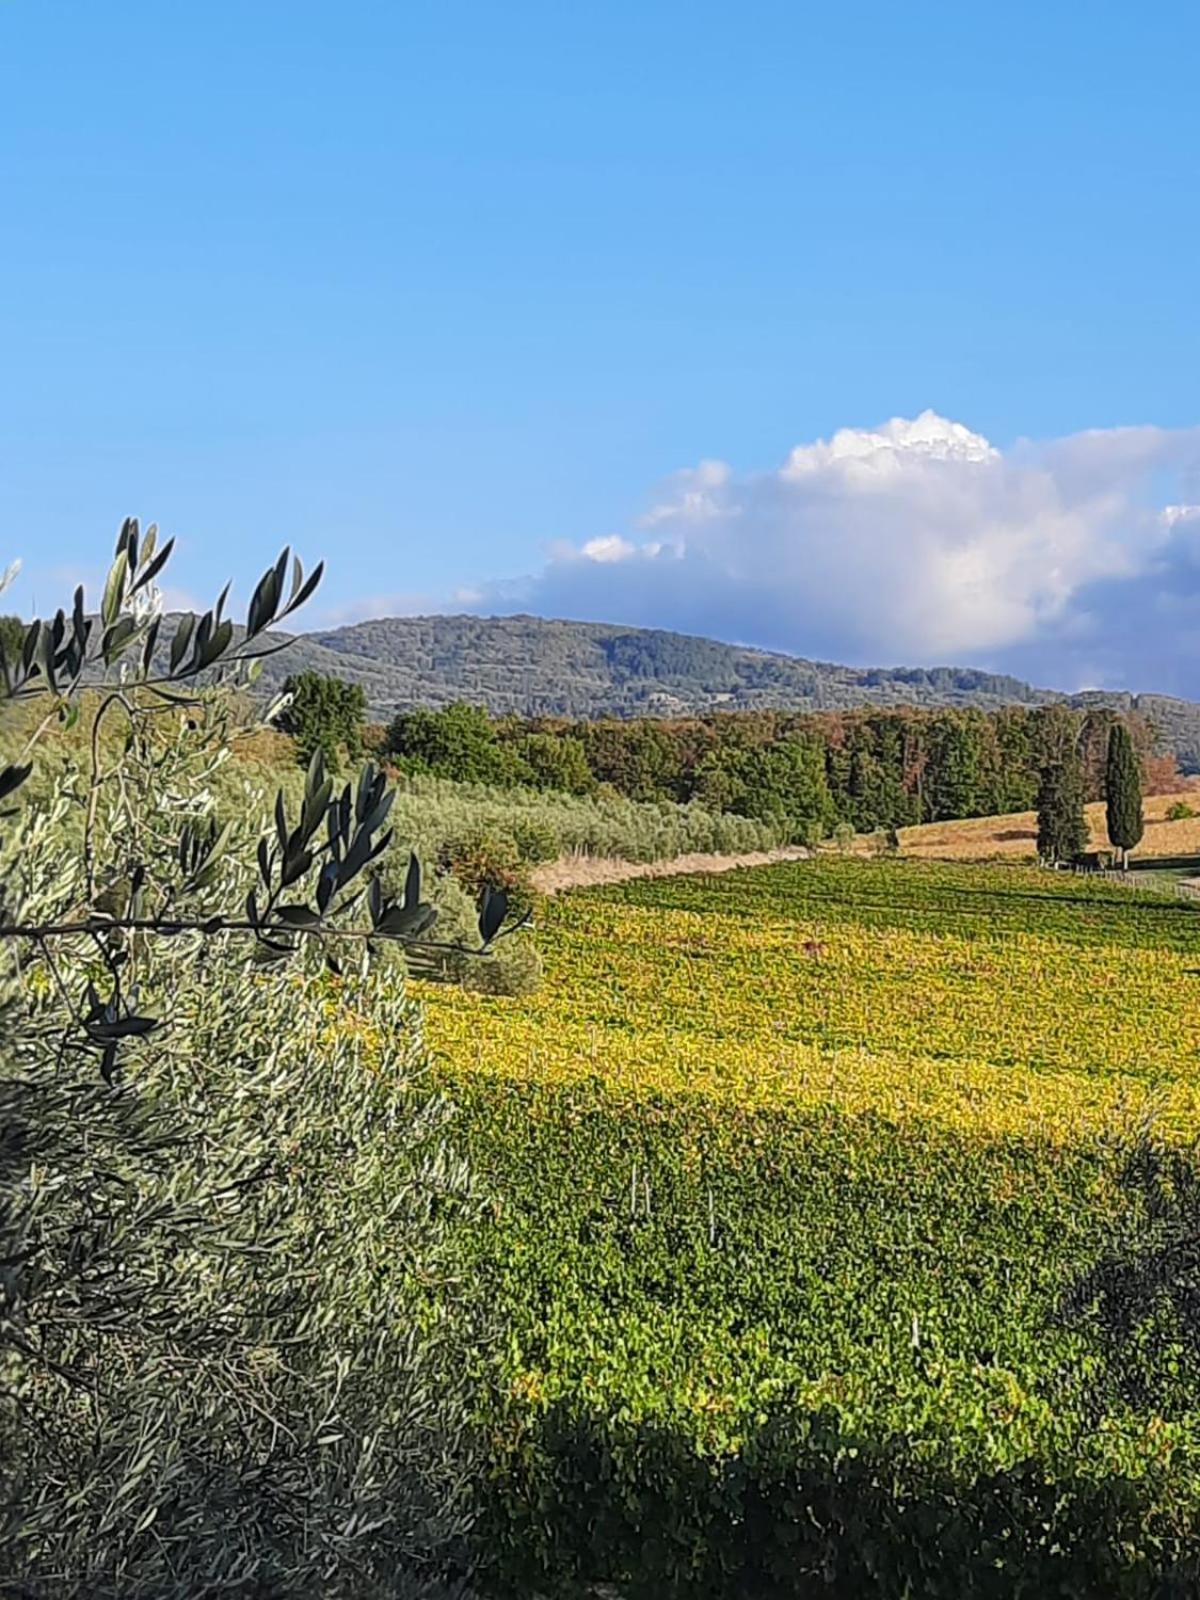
1123, 793
12, 636
805, 774
325, 714
1062, 832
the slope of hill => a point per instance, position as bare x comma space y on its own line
588, 668
533, 665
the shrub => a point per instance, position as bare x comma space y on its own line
536, 840
844, 836
484, 858
811, 833
373, 738
1180, 811
513, 967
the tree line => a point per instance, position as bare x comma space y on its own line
875, 769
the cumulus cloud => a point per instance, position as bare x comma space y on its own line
917, 541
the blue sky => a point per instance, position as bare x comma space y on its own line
447, 293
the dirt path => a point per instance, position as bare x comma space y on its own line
578, 872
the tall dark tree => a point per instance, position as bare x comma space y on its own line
1014, 773
954, 780
1062, 825
1123, 793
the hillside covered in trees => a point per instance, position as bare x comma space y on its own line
531, 666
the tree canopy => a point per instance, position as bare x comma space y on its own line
324, 714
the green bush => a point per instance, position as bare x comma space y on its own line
811, 833
459, 742
556, 761
513, 966
536, 839
784, 784
1179, 811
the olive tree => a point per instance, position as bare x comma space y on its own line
223, 1197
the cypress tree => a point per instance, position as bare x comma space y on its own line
955, 761
1062, 825
1123, 792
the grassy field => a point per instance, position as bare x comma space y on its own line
795, 1170
1014, 837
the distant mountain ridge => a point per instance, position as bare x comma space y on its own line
533, 665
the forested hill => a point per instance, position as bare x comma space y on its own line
589, 669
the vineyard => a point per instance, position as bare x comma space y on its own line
811, 1184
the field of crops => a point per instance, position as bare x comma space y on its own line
796, 1175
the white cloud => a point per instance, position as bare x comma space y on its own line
692, 494
611, 548
865, 454
916, 541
